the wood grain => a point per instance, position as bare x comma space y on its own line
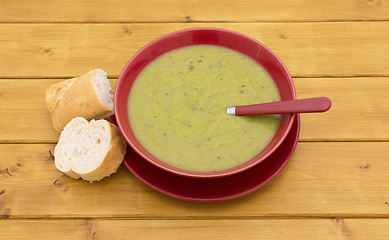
23, 109
188, 11
359, 112
321, 180
307, 49
196, 229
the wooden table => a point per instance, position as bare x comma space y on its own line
336, 185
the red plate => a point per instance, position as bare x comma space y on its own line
214, 189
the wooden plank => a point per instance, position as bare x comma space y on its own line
338, 179
360, 110
186, 11
36, 229
307, 49
196, 229
23, 109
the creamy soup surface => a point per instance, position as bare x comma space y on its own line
177, 108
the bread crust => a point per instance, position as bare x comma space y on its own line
56, 91
74, 98
72, 174
112, 159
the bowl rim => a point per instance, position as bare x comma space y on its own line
182, 172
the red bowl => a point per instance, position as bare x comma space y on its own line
211, 36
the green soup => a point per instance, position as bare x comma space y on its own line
177, 108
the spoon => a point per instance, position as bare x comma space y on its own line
307, 105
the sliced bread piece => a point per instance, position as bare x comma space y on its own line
90, 150
87, 96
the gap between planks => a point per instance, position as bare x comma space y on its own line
301, 141
196, 218
200, 21
117, 76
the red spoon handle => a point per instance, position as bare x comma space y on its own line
307, 105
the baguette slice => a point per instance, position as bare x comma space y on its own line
87, 96
90, 150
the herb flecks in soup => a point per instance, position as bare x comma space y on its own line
177, 108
